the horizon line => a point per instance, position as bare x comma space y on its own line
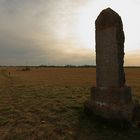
69, 65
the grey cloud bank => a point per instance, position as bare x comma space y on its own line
45, 32
28, 30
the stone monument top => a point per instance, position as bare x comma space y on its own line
108, 18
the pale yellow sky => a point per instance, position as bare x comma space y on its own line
53, 32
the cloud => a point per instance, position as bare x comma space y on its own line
31, 31
50, 31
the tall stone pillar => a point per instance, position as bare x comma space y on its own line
109, 50
111, 98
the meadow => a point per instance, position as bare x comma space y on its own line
47, 104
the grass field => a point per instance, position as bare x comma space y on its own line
47, 104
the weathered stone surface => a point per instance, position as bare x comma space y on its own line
111, 95
111, 103
111, 99
109, 50
113, 111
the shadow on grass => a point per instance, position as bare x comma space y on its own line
91, 127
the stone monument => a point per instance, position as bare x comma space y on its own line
111, 98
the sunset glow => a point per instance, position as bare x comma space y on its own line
61, 32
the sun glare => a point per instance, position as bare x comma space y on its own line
85, 30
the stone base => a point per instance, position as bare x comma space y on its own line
112, 103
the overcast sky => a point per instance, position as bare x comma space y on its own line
59, 32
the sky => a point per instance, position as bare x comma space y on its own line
61, 32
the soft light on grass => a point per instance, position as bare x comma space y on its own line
47, 104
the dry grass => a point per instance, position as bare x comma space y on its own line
47, 104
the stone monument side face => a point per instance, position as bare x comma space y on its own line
109, 50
